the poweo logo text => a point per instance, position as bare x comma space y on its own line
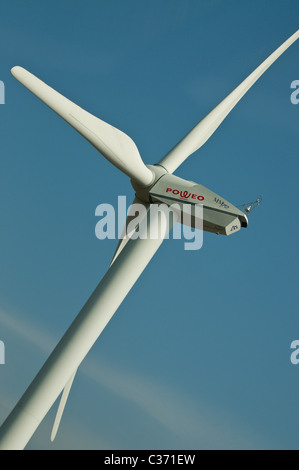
185, 194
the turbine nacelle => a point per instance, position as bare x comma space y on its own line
185, 197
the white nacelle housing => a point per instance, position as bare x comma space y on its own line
218, 215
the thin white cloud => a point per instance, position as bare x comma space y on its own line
194, 423
190, 421
41, 340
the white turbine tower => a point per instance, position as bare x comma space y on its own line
153, 185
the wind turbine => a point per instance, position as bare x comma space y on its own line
153, 184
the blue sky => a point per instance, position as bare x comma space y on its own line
198, 355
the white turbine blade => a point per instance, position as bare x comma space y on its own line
130, 227
112, 143
62, 403
207, 126
20, 425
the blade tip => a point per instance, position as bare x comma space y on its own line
18, 71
